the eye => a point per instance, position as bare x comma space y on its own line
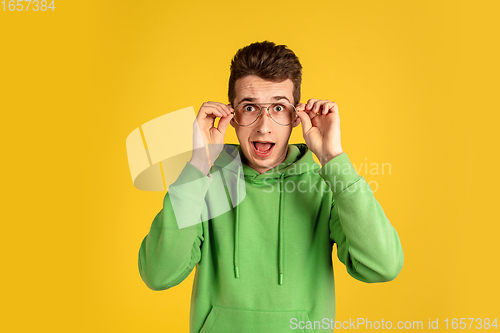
279, 108
249, 108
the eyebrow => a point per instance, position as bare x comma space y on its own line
253, 99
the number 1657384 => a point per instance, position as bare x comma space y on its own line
25, 5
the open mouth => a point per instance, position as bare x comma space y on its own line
263, 148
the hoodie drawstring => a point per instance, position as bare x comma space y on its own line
281, 238
280, 230
236, 236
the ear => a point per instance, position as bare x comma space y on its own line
232, 122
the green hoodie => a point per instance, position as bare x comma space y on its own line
262, 243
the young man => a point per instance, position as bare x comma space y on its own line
265, 264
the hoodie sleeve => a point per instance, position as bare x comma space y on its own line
367, 243
172, 248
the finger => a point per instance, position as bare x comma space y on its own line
223, 123
213, 109
335, 107
319, 107
326, 107
330, 107
229, 108
300, 107
316, 107
311, 114
310, 103
222, 108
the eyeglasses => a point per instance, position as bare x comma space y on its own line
245, 114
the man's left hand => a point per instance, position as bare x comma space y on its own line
321, 128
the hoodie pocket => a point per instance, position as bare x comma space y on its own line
230, 320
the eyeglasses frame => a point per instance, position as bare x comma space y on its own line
260, 112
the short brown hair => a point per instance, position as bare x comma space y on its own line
269, 62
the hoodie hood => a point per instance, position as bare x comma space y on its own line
299, 160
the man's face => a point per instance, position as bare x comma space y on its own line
253, 89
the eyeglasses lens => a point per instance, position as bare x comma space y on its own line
247, 113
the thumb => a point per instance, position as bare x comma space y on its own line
223, 123
305, 120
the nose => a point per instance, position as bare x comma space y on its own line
263, 124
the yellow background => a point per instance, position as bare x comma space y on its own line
417, 87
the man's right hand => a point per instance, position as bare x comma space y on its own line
207, 136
